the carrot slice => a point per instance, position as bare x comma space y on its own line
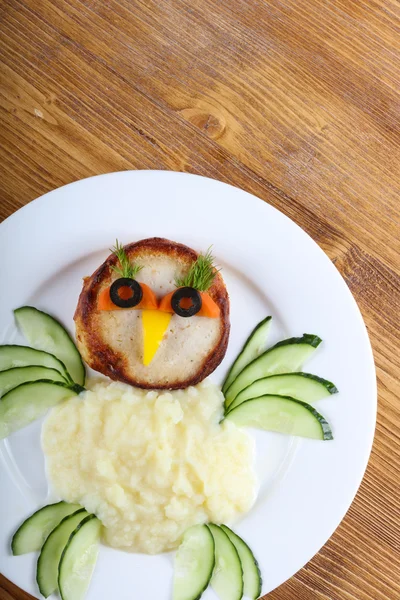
165, 304
149, 300
104, 301
209, 308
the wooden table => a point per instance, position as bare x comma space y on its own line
295, 101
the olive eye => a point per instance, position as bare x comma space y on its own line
186, 302
126, 292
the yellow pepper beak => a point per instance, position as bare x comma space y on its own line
155, 324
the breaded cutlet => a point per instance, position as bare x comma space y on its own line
111, 342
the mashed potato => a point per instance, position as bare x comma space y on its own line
149, 464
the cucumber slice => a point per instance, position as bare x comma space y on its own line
78, 559
30, 536
11, 378
282, 414
287, 356
45, 333
227, 579
28, 402
252, 581
302, 386
255, 344
22, 356
49, 557
194, 563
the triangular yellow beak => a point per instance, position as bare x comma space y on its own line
155, 323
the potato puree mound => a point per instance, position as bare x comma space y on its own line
149, 464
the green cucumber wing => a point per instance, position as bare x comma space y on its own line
301, 386
78, 559
252, 581
45, 333
11, 378
194, 563
12, 356
254, 345
227, 579
30, 401
283, 415
288, 356
52, 549
30, 536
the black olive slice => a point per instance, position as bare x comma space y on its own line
126, 282
186, 293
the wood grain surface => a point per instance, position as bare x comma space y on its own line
295, 101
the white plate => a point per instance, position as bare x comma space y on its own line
271, 267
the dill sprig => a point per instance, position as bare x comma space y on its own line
126, 269
201, 273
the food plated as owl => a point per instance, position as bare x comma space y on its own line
151, 458
172, 334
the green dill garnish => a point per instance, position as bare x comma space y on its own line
201, 273
126, 269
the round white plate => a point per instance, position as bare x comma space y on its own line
271, 267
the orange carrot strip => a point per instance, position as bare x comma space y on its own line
149, 300
209, 308
165, 304
104, 301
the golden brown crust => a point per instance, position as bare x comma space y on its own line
100, 357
